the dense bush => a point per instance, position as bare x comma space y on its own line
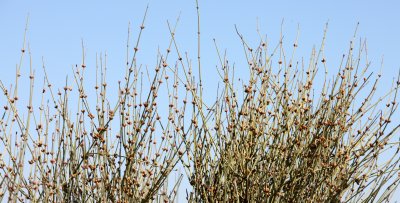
282, 142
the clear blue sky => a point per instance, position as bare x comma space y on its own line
56, 29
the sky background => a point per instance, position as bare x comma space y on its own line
56, 29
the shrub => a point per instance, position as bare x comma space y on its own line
282, 142
273, 140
